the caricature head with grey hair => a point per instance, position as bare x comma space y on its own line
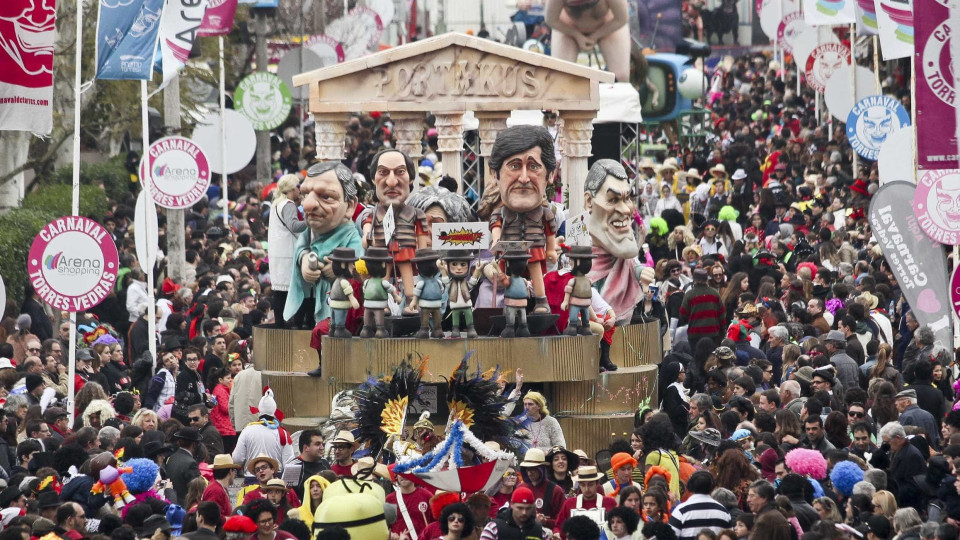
329, 195
441, 205
609, 198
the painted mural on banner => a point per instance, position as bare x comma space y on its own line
218, 18
895, 27
790, 29
936, 95
829, 12
918, 263
937, 205
27, 35
264, 99
871, 120
73, 263
127, 37
823, 62
178, 172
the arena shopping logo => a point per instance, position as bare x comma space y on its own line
175, 174
72, 266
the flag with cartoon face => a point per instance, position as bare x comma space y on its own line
127, 34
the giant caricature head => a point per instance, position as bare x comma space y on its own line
26, 42
877, 124
948, 199
329, 195
391, 171
264, 98
523, 161
441, 205
609, 198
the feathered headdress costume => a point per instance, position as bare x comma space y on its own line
383, 403
474, 399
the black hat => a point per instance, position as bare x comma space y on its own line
573, 460
52, 414
215, 233
32, 381
377, 254
154, 523
581, 252
458, 255
84, 354
48, 499
170, 343
342, 254
188, 434
153, 449
516, 254
879, 526
9, 495
426, 254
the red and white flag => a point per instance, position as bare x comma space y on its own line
27, 36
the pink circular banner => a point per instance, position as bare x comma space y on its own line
179, 172
936, 203
73, 263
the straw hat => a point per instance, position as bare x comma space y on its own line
670, 163
274, 484
365, 465
224, 461
646, 163
262, 457
690, 173
588, 473
534, 458
868, 300
345, 437
719, 169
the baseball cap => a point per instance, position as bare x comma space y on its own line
522, 495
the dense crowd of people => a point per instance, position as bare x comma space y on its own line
799, 398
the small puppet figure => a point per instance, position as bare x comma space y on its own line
110, 482
578, 292
391, 171
341, 297
515, 294
375, 292
459, 282
428, 293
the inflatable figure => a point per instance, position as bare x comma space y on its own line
581, 25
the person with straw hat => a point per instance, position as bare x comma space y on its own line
265, 467
224, 473
344, 445
547, 496
668, 172
589, 502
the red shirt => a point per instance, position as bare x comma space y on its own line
418, 506
548, 504
608, 504
257, 494
217, 494
342, 470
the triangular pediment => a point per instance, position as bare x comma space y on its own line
453, 72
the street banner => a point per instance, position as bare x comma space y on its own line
918, 263
829, 12
937, 205
936, 95
127, 35
866, 18
823, 62
955, 290
871, 120
264, 99
218, 19
469, 236
178, 172
789, 29
73, 263
178, 31
27, 36
895, 27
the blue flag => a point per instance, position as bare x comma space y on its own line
127, 35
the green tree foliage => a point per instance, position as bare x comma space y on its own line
57, 199
17, 230
112, 175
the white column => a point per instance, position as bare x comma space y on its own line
408, 129
331, 132
577, 132
450, 144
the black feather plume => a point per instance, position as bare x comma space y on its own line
375, 395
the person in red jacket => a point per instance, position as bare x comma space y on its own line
548, 496
589, 503
413, 505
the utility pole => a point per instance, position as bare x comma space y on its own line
263, 137
176, 228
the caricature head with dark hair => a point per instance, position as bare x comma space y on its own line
523, 161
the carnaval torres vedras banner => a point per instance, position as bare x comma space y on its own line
936, 91
127, 34
918, 263
27, 35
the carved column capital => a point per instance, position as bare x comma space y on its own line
408, 130
330, 132
491, 124
449, 132
577, 133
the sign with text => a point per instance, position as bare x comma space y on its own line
178, 172
937, 205
73, 263
871, 120
823, 62
936, 96
918, 263
470, 236
27, 37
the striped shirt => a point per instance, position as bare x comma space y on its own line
697, 513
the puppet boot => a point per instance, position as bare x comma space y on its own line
605, 363
471, 332
585, 330
542, 305
382, 332
571, 329
367, 332
523, 330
